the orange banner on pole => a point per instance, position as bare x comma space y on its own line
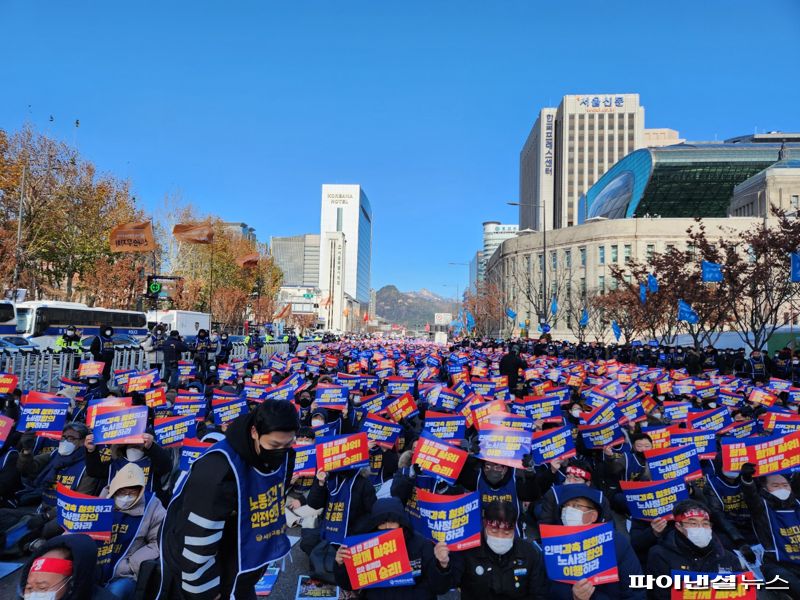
132, 237
248, 260
194, 233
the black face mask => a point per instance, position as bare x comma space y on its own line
272, 459
494, 477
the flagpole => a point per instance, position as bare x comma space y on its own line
211, 288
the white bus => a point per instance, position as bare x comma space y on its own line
42, 322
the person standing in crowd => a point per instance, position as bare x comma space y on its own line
510, 365
209, 547
293, 342
68, 341
103, 350
154, 346
173, 348
504, 566
225, 348
203, 351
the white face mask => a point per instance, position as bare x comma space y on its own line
499, 545
66, 448
781, 493
49, 595
317, 423
571, 516
575, 412
699, 536
656, 415
731, 474
124, 502
134, 454
661, 397
712, 405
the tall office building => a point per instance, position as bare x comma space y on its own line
346, 210
333, 280
298, 258
473, 271
571, 147
494, 233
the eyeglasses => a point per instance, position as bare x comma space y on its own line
582, 507
492, 467
71, 438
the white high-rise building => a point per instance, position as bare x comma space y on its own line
346, 209
570, 147
494, 233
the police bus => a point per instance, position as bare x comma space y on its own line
8, 318
43, 322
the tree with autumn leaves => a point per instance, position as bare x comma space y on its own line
755, 289
68, 210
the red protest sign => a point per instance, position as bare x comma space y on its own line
155, 397
91, 368
401, 408
438, 458
8, 383
377, 558
763, 397
139, 383
343, 452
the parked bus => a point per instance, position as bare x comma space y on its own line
8, 318
43, 322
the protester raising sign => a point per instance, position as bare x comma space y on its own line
114, 425
79, 513
43, 413
438, 458
583, 552
343, 452
225, 409
378, 560
90, 368
445, 427
771, 454
455, 520
648, 500
673, 463
172, 430
305, 460
504, 445
598, 437
331, 396
381, 431
402, 408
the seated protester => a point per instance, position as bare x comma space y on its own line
208, 547
382, 464
630, 465
580, 505
137, 519
10, 482
776, 515
577, 472
299, 488
493, 481
504, 566
409, 478
346, 499
63, 569
723, 488
690, 546
154, 461
67, 465
323, 423
431, 566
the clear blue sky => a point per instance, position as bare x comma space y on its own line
246, 108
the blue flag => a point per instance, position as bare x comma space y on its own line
795, 261
642, 293
687, 313
553, 306
712, 272
584, 318
652, 283
615, 328
511, 314
470, 321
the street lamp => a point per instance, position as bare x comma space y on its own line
545, 290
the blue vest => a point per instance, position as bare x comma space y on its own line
632, 466
261, 527
506, 493
6, 454
785, 528
732, 501
376, 467
106, 344
69, 477
124, 530
337, 510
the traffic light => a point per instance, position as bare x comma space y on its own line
153, 287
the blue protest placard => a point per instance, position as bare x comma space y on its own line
80, 513
598, 437
445, 427
551, 444
673, 463
114, 425
503, 445
381, 431
172, 430
43, 413
331, 396
583, 552
226, 409
648, 500
455, 520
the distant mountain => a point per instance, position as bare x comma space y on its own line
412, 309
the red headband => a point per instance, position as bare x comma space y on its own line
695, 513
578, 472
499, 524
59, 566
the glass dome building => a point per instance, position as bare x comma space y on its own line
685, 180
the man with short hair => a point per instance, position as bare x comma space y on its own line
226, 521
